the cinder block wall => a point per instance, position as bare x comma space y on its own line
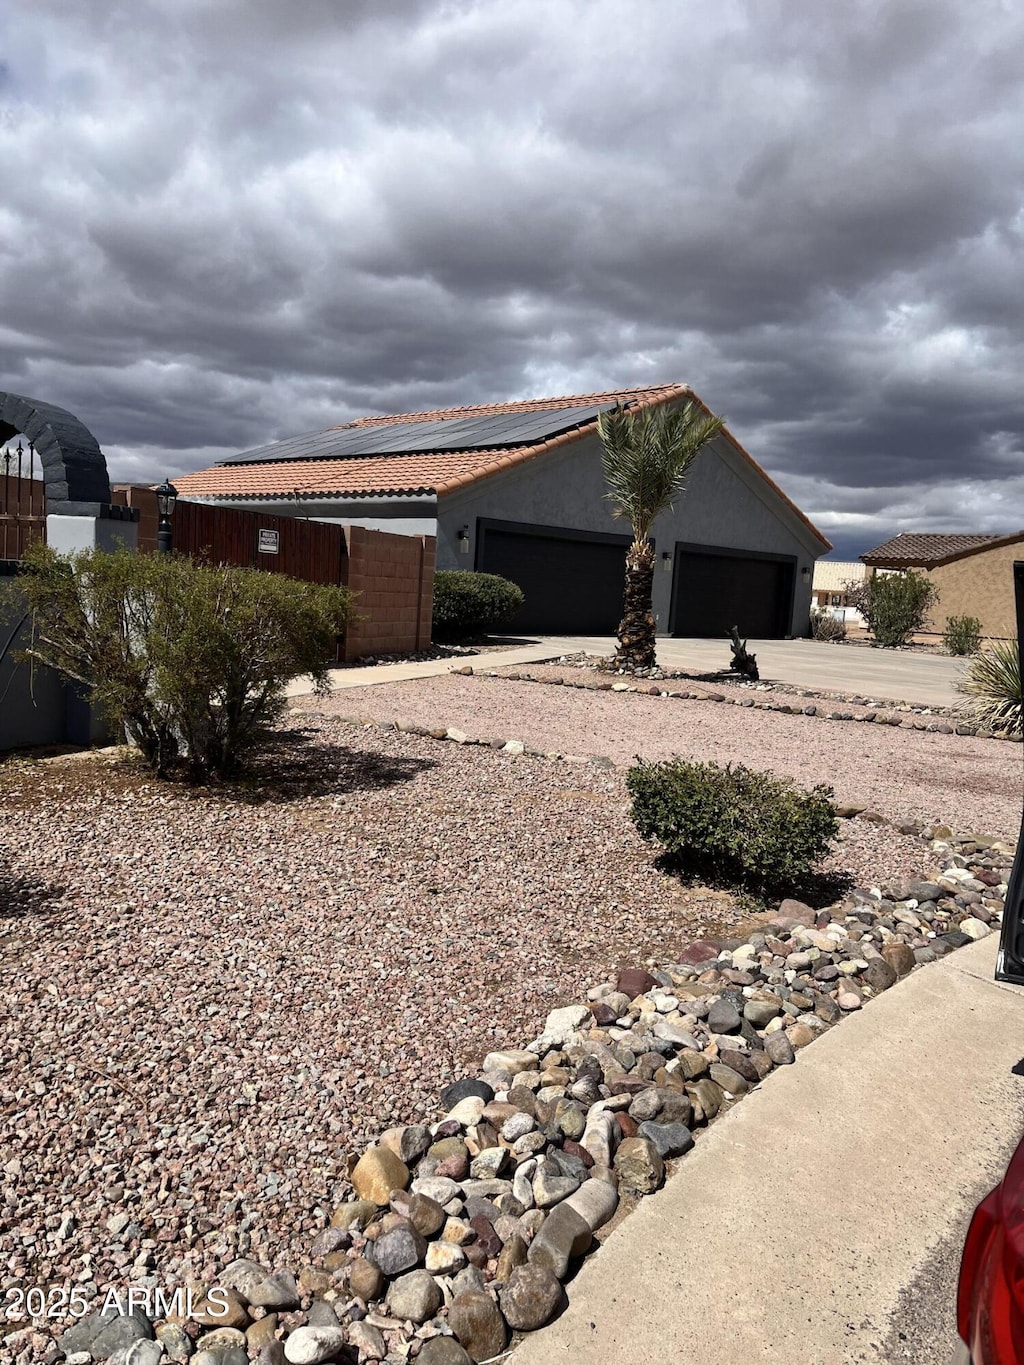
394, 578
143, 499
978, 585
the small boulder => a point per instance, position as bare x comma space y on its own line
415, 1296
639, 1166
531, 1298
442, 1351
378, 1172
312, 1345
479, 1326
564, 1236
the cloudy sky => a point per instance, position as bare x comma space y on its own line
226, 221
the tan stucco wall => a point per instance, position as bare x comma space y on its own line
979, 585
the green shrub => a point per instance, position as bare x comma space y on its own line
732, 826
992, 686
190, 659
896, 605
468, 605
825, 626
962, 635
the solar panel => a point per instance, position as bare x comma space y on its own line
491, 430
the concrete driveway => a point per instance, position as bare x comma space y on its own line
885, 675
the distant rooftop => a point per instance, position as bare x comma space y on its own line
911, 549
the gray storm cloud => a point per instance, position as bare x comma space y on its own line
222, 223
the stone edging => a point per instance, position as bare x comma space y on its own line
897, 716
455, 1236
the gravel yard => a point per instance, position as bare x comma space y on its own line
206, 998
214, 996
972, 784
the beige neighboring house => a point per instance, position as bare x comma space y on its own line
828, 590
973, 575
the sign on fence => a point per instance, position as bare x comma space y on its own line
268, 542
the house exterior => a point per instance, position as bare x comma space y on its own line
829, 585
972, 573
517, 489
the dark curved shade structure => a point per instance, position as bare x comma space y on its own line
74, 468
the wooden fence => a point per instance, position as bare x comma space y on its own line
391, 575
22, 514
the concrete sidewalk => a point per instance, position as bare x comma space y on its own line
342, 678
793, 1229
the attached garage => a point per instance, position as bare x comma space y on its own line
572, 580
715, 589
518, 489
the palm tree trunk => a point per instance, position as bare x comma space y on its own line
636, 631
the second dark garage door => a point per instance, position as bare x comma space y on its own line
572, 582
714, 590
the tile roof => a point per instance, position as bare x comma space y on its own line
353, 477
652, 394
437, 472
922, 550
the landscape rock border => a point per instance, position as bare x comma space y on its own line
897, 714
453, 1237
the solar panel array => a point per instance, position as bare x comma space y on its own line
493, 431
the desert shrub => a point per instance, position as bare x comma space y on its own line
825, 626
896, 605
468, 605
733, 826
992, 686
962, 635
190, 659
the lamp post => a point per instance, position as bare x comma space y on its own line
166, 497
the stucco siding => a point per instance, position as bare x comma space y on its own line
978, 585
726, 504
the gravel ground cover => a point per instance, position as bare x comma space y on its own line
208, 998
973, 784
215, 997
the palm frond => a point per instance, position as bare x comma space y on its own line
646, 456
992, 686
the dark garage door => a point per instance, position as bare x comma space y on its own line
712, 592
572, 583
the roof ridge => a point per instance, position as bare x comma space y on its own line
521, 404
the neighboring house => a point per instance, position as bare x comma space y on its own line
517, 489
973, 575
828, 590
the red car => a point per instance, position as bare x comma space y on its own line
990, 1296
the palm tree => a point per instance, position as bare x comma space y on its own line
646, 457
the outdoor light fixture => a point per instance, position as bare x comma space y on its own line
666, 560
166, 497
464, 540
805, 574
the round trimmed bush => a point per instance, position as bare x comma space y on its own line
733, 826
468, 604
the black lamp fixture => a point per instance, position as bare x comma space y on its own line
464, 540
666, 560
166, 497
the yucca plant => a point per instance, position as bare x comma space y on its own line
646, 458
992, 685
